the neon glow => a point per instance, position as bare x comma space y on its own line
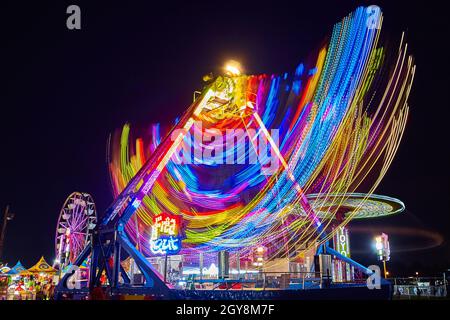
165, 236
340, 121
342, 242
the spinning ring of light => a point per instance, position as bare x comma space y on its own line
356, 205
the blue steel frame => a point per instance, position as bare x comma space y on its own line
110, 239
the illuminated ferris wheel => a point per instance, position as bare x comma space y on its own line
77, 219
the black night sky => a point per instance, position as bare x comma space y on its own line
65, 91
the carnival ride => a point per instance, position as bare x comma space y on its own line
356, 205
319, 135
77, 219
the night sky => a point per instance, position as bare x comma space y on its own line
65, 91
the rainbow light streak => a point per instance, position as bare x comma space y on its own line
340, 123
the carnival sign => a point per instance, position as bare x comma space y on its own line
342, 242
165, 234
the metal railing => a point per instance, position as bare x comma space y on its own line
417, 287
254, 281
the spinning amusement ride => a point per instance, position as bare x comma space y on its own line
307, 151
77, 219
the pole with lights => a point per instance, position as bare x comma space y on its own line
8, 215
383, 251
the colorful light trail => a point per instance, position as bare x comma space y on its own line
339, 123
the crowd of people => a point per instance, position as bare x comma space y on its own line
27, 288
45, 291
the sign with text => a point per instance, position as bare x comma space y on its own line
342, 241
165, 235
382, 246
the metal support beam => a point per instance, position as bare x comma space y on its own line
116, 267
125, 277
152, 277
93, 267
357, 265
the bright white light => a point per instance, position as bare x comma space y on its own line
211, 271
234, 271
233, 68
378, 243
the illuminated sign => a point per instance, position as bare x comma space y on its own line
165, 236
342, 242
382, 246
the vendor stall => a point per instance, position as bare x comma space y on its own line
44, 278
18, 283
43, 271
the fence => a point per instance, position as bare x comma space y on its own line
416, 287
254, 281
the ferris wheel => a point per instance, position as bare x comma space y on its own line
77, 219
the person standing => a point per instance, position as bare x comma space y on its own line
51, 292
